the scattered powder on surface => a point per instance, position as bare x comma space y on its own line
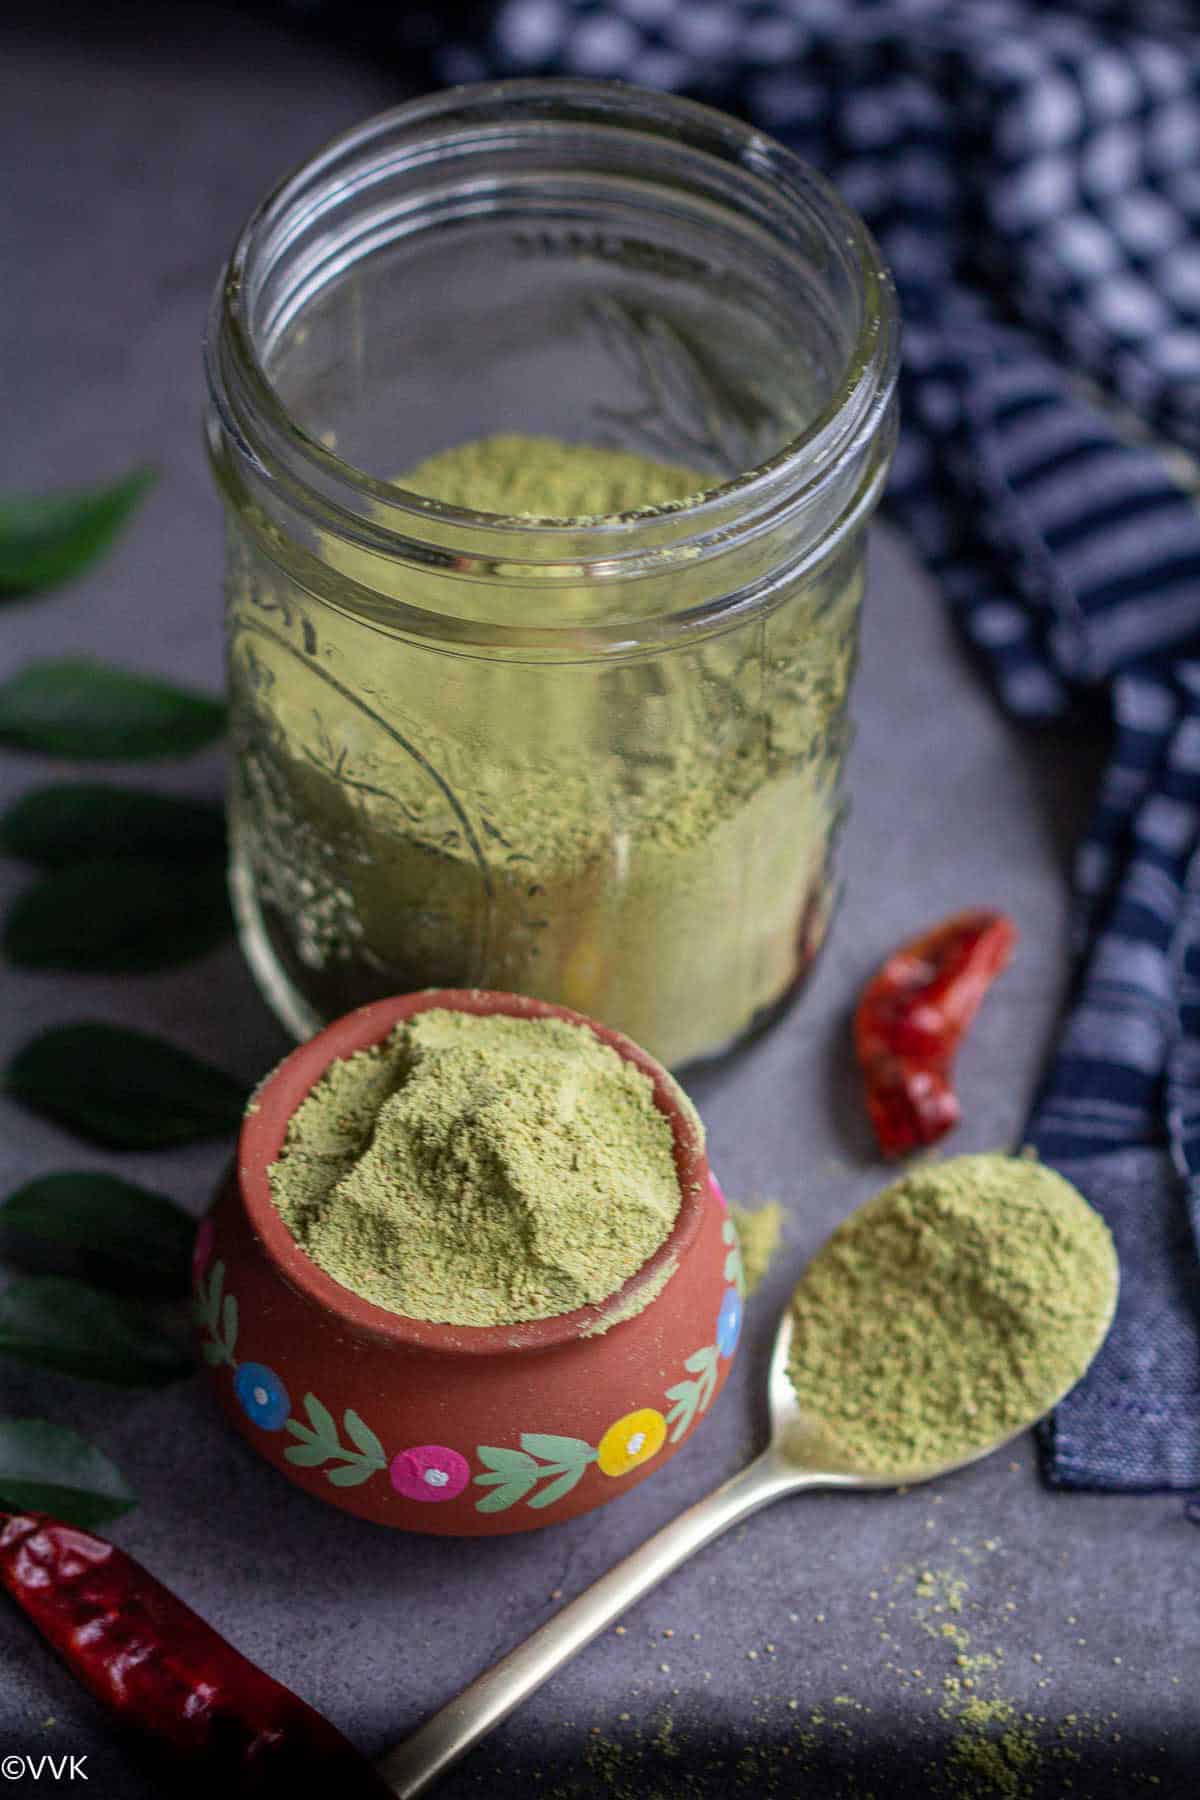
760, 1230
926, 1726
527, 477
480, 1170
952, 1309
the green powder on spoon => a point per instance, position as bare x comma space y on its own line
480, 1170
949, 1311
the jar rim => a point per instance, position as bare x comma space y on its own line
385, 517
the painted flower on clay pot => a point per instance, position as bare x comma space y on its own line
429, 1472
729, 1322
263, 1397
631, 1440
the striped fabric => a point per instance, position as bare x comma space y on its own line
1032, 172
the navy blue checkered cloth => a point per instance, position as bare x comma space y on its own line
1032, 172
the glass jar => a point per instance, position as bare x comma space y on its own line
596, 761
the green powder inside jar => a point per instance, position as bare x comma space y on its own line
527, 477
480, 1170
644, 839
956, 1306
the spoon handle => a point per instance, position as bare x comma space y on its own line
446, 1735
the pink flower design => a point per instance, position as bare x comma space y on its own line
202, 1249
429, 1472
718, 1192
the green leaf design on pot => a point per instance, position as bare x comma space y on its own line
218, 1313
514, 1474
320, 1442
690, 1398
735, 1273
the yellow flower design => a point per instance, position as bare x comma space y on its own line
631, 1440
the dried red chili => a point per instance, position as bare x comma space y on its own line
149, 1658
911, 1018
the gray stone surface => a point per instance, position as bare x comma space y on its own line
130, 159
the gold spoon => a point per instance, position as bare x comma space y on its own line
796, 1457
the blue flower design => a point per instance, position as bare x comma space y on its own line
729, 1322
263, 1397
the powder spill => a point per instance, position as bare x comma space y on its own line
952, 1309
480, 1170
917, 1725
526, 477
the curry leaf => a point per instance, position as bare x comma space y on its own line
127, 1089
75, 706
124, 1227
47, 1468
119, 915
47, 538
66, 1325
72, 822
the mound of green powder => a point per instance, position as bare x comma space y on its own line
480, 1170
528, 477
953, 1308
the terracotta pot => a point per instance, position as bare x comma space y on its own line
457, 1429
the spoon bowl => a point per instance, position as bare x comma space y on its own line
799, 1455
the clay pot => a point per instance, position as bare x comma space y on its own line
456, 1429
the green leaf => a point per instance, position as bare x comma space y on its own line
307, 1456
364, 1437
48, 1468
565, 1450
503, 1497
509, 1462
216, 1281
557, 1489
75, 706
493, 1478
61, 1324
125, 1088
701, 1360
213, 1354
47, 538
322, 1421
229, 1323
350, 1474
121, 1226
72, 822
121, 915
